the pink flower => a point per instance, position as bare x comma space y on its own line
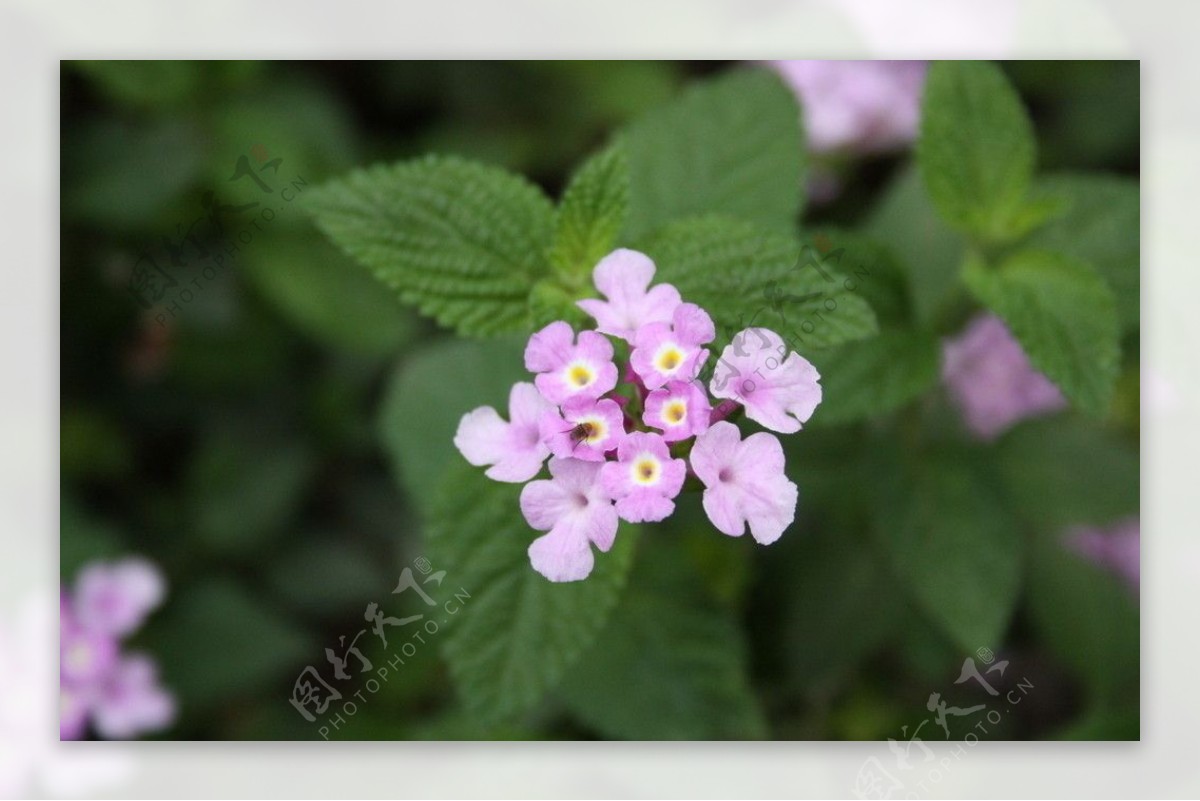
514, 449
680, 409
586, 429
744, 482
778, 393
85, 655
644, 479
131, 701
568, 369
576, 512
667, 351
992, 381
115, 598
623, 277
1116, 548
858, 106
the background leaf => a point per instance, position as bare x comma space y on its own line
1064, 316
462, 241
875, 376
732, 145
515, 638
1101, 226
669, 665
955, 543
429, 394
976, 148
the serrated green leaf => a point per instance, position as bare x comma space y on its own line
670, 664
878, 375
743, 274
591, 214
429, 394
1064, 316
976, 148
733, 146
518, 634
1101, 226
955, 544
462, 241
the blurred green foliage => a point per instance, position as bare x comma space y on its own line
281, 442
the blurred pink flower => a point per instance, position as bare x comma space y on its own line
1116, 548
119, 695
991, 379
857, 106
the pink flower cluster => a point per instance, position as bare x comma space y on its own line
119, 693
621, 449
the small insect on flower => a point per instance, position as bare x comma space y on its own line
583, 431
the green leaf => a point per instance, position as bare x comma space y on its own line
841, 602
430, 393
517, 635
954, 542
1102, 227
930, 252
744, 275
878, 375
1059, 474
327, 296
462, 241
670, 664
591, 214
1064, 316
976, 148
243, 490
733, 145
215, 641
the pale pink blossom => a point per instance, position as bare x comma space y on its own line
585, 429
672, 351
744, 482
576, 512
115, 598
514, 449
779, 390
645, 479
569, 369
680, 410
623, 277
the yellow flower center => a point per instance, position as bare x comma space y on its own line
645, 470
674, 412
580, 375
668, 358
